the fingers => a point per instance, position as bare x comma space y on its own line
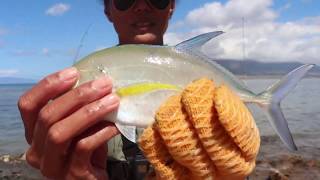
65, 105
101, 153
73, 100
61, 133
52, 126
90, 152
48, 88
86, 146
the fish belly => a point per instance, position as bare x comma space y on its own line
139, 110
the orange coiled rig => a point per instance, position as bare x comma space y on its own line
206, 132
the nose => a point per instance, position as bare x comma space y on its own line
141, 6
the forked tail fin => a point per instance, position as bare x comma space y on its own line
270, 100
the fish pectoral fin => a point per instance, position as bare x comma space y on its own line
127, 131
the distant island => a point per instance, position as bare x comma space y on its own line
238, 67
16, 80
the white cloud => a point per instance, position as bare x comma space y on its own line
284, 8
45, 52
8, 72
58, 9
216, 14
265, 39
311, 20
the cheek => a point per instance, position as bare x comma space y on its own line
163, 22
121, 25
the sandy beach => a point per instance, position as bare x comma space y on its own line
274, 162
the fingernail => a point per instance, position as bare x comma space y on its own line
102, 82
68, 74
109, 100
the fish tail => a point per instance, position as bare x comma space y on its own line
270, 100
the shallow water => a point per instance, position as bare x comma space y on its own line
12, 139
301, 108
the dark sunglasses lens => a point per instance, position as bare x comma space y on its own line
160, 4
123, 5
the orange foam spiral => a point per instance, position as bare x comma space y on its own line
206, 132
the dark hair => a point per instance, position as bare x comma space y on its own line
106, 2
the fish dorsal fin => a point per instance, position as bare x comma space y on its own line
195, 43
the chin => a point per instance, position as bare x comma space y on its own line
147, 38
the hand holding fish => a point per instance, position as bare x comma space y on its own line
64, 126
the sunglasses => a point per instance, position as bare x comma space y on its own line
123, 5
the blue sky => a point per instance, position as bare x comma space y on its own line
39, 37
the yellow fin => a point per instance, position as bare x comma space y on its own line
144, 88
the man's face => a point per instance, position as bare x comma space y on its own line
141, 23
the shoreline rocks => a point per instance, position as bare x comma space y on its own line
274, 162
15, 167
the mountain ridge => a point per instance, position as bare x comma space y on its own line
16, 80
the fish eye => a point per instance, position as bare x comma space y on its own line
103, 69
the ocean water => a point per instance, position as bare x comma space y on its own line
301, 108
12, 139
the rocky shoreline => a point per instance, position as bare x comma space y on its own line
15, 167
274, 162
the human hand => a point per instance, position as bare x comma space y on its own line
64, 126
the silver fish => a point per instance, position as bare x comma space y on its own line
145, 75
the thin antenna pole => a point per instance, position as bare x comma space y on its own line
243, 43
243, 47
81, 43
